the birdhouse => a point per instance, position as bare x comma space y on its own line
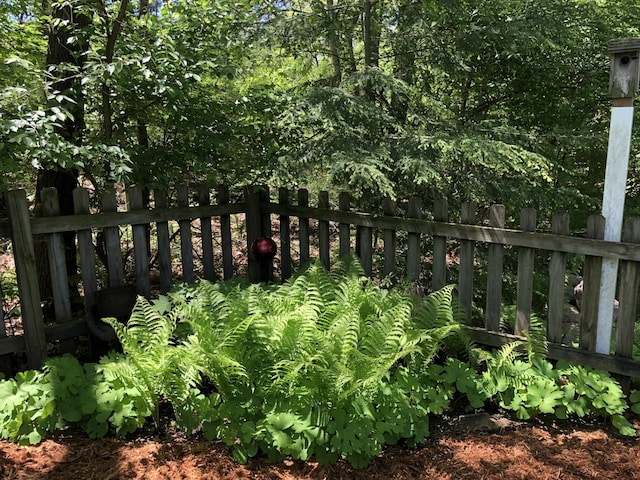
625, 67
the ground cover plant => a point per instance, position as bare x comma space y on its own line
325, 366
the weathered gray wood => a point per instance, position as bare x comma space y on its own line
69, 223
285, 237
27, 276
164, 244
467, 255
206, 235
12, 344
57, 265
557, 287
186, 243
265, 215
364, 248
414, 258
497, 219
266, 267
140, 245
115, 267
323, 231
439, 274
624, 75
225, 234
87, 257
390, 238
628, 294
514, 238
591, 290
303, 202
526, 259
344, 204
254, 229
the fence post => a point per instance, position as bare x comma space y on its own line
285, 236
413, 243
206, 236
439, 274
115, 268
140, 245
344, 204
58, 267
164, 245
495, 271
591, 289
303, 201
323, 231
27, 276
526, 259
467, 250
390, 240
557, 287
225, 234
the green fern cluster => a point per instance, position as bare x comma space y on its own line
294, 366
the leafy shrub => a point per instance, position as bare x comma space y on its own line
36, 403
327, 365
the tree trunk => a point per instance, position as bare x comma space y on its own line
332, 38
66, 54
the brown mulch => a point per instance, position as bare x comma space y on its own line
526, 451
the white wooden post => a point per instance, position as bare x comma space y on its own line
623, 84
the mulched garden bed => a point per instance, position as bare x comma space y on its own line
458, 449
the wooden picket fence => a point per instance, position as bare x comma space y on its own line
322, 230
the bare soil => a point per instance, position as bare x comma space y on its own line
476, 448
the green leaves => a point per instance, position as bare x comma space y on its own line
326, 366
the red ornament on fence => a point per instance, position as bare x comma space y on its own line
264, 248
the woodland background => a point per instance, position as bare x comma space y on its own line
494, 101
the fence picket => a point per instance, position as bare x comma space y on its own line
467, 252
344, 229
495, 271
206, 235
285, 237
87, 259
526, 259
225, 234
323, 230
413, 243
27, 276
439, 272
628, 294
164, 244
557, 287
591, 290
303, 201
186, 242
390, 239
58, 267
115, 267
140, 245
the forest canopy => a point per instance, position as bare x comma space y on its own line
492, 101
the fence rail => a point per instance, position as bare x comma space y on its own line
321, 231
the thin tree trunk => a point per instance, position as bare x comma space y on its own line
333, 44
